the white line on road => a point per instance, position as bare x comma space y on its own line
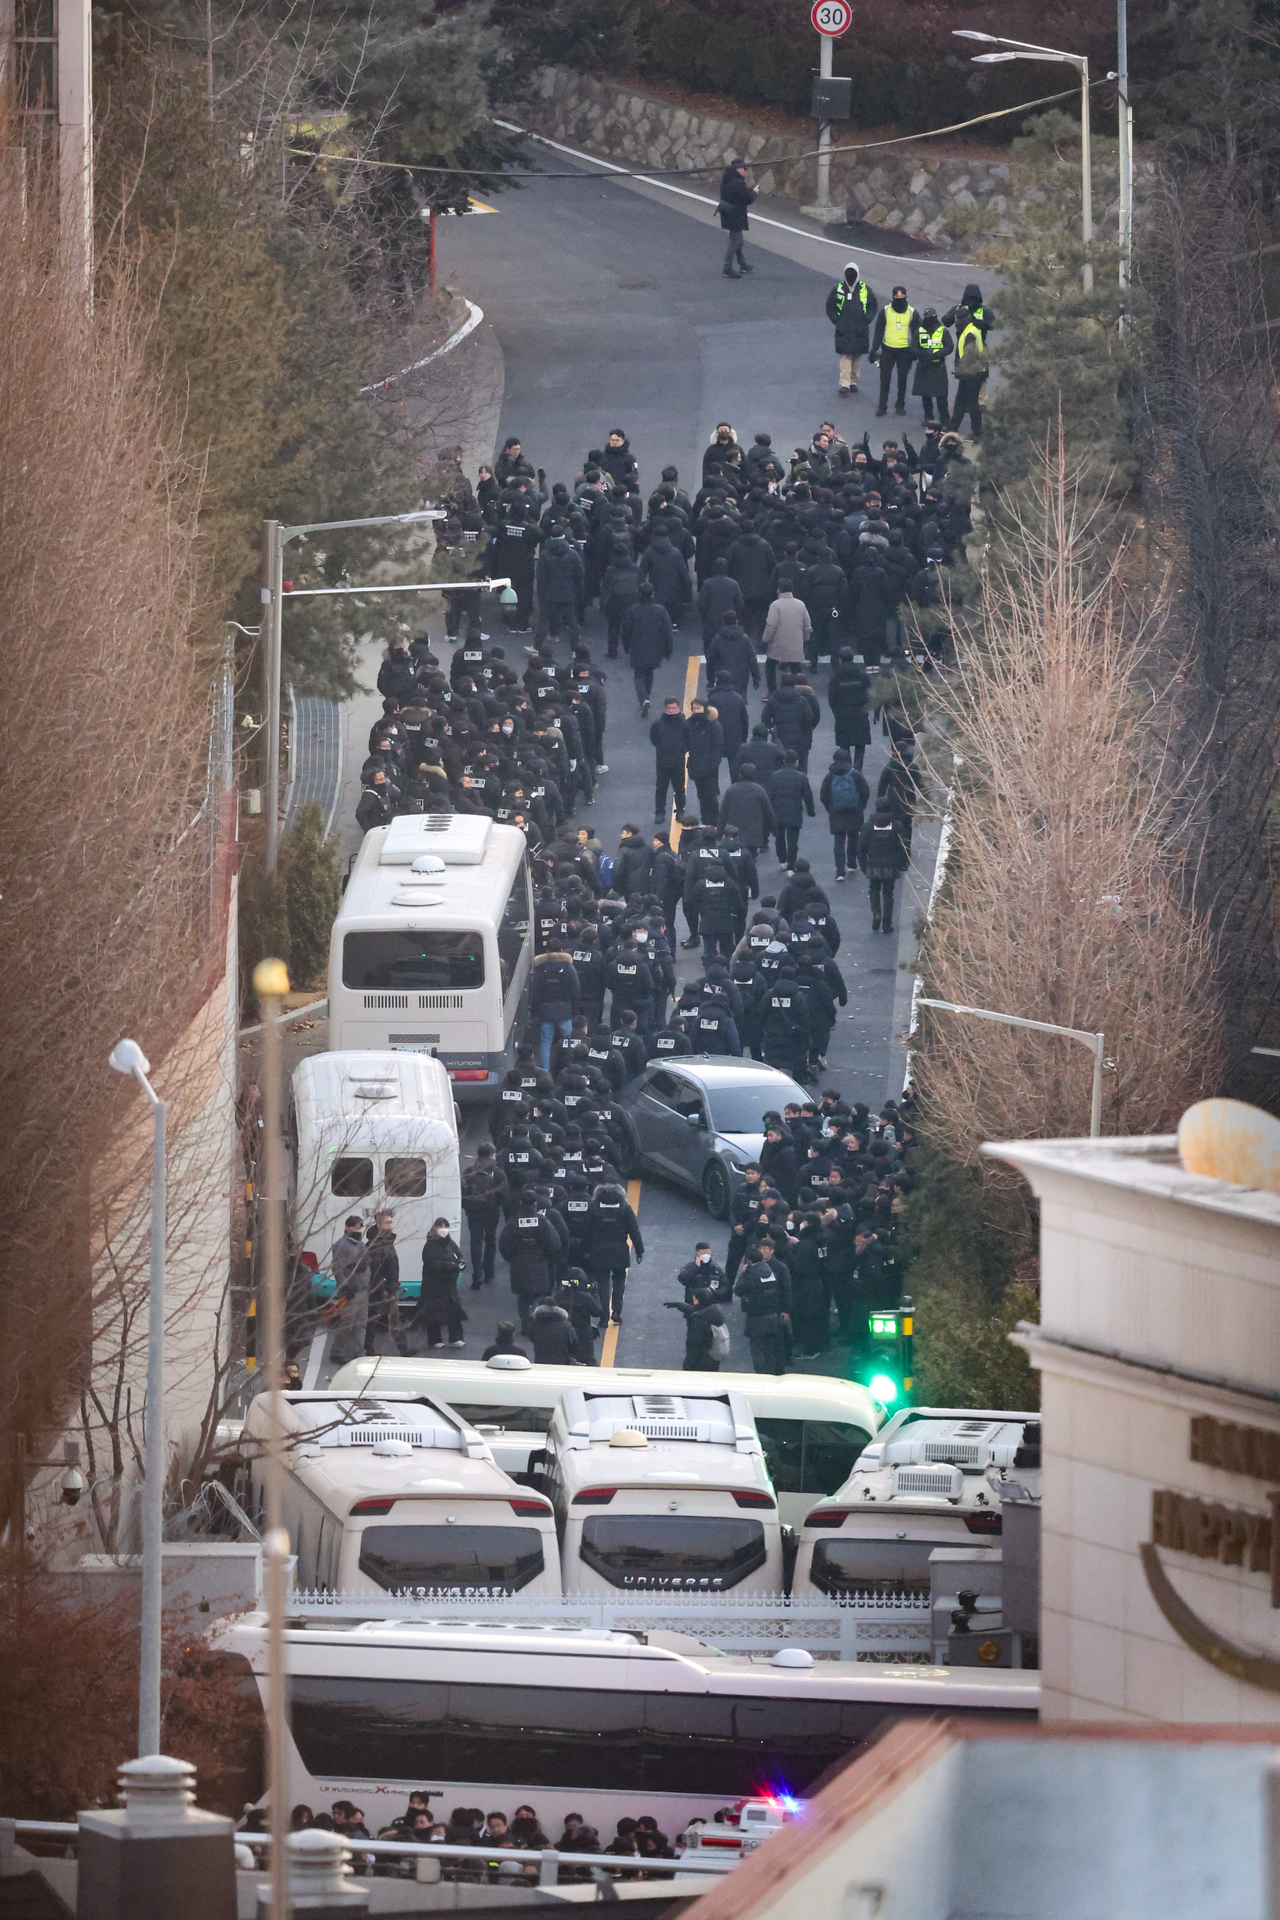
761, 219
474, 316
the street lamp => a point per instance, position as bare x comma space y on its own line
127, 1057
1025, 50
275, 538
1096, 1042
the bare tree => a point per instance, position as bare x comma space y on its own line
1067, 895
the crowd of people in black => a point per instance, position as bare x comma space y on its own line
637, 1840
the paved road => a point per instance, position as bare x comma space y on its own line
610, 308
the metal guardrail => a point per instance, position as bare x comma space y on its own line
548, 1860
859, 1627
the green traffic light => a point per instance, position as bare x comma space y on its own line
883, 1388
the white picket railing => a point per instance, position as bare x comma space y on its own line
861, 1626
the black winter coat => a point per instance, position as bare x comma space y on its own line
881, 852
790, 796
669, 572
554, 988
718, 595
733, 651
735, 197
751, 562
441, 1264
532, 1247
646, 635
845, 819
632, 865
705, 746
731, 712
746, 806
669, 737
792, 713
551, 1333
852, 321
847, 693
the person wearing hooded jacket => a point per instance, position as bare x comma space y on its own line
647, 641
851, 309
731, 650
585, 1309
932, 344
701, 1314
666, 567
718, 596
848, 691
612, 1234
971, 299
552, 1334
560, 578
705, 740
619, 590
893, 346
883, 858
971, 372
553, 999
751, 562
844, 793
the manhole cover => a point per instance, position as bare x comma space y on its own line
634, 286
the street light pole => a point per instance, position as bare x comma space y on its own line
127, 1057
1096, 1043
275, 538
271, 982
1025, 50
1125, 112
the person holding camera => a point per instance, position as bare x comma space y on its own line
706, 1337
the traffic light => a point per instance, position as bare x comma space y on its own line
890, 1377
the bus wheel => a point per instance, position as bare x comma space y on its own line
715, 1190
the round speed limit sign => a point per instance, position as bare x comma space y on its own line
832, 17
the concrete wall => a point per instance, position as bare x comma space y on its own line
1160, 1302
897, 187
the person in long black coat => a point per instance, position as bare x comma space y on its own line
848, 692
735, 197
932, 343
438, 1305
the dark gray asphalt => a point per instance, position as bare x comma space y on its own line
611, 310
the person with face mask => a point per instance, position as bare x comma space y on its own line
932, 344
851, 308
704, 1271
438, 1304
893, 347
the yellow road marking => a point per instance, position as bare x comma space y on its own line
691, 673
479, 206
610, 1346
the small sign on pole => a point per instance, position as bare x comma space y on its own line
831, 17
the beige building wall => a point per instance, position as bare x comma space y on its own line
1160, 1303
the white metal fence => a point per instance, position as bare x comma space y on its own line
879, 1627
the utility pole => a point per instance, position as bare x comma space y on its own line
1125, 115
825, 54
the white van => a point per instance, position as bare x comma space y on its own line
661, 1492
432, 945
931, 1478
368, 1132
813, 1427
397, 1495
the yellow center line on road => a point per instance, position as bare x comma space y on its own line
610, 1347
691, 673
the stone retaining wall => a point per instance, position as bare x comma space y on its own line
892, 187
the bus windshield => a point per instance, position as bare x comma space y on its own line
665, 1550
389, 960
497, 1559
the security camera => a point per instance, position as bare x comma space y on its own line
71, 1487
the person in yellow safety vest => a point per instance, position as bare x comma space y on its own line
932, 343
983, 318
971, 371
851, 307
893, 346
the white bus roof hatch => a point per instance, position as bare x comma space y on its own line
459, 839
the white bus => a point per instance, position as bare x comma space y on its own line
661, 1492
396, 1496
432, 945
589, 1721
813, 1428
931, 1478
369, 1132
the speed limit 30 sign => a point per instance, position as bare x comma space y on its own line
832, 17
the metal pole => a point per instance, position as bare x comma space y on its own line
432, 249
153, 1485
271, 982
1086, 171
1095, 1105
1126, 149
272, 570
824, 126
1096, 1042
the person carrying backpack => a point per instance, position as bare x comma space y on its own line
845, 794
882, 857
706, 1336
